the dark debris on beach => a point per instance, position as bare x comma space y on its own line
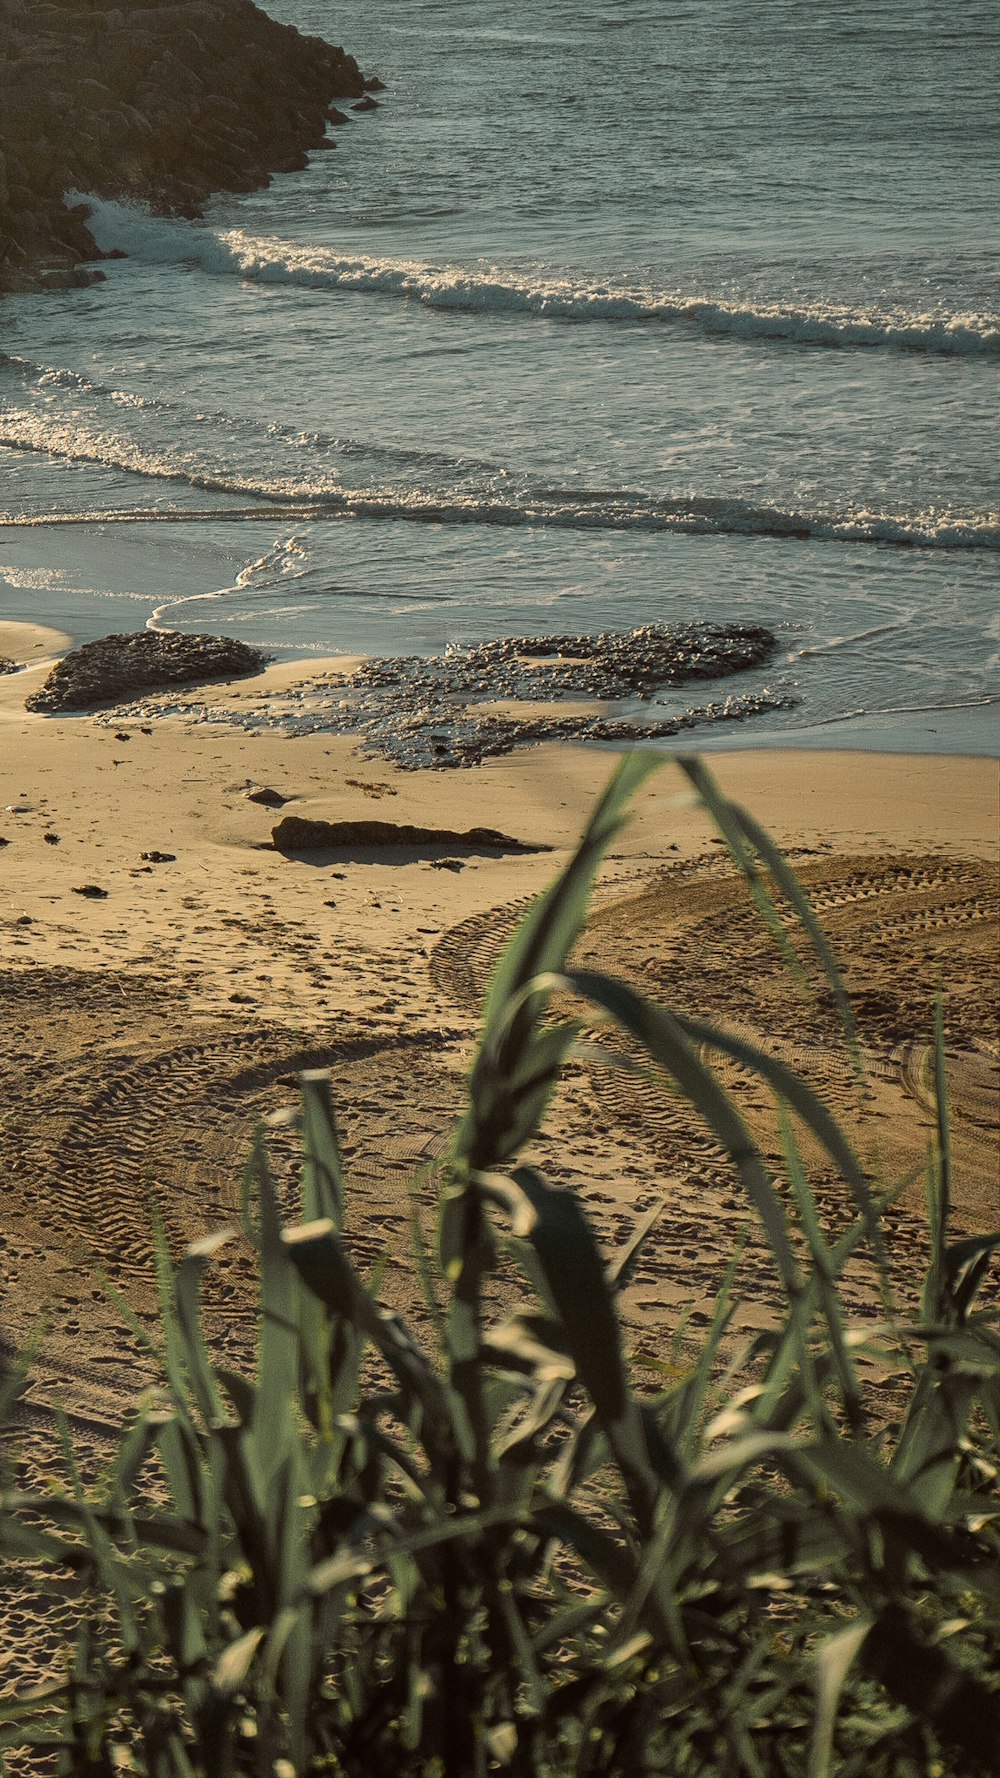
425, 711
436, 725
419, 711
609, 665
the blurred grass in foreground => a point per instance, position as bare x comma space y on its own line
491, 1552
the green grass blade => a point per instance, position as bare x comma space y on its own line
575, 1273
110, 1570
510, 1092
807, 1105
564, 1246
834, 1658
30, 1541
825, 1276
794, 892
235, 1662
964, 1711
967, 1263
422, 1254
323, 1170
746, 839
942, 1115
936, 1298
138, 1443
662, 1036
628, 1256
181, 1456
273, 1428
516, 1063
187, 1296
688, 1403
319, 1257
543, 939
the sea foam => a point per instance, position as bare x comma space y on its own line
494, 290
577, 509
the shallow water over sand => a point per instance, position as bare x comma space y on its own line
607, 316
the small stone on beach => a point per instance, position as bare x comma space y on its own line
271, 799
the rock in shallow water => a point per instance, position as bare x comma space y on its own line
422, 711
115, 667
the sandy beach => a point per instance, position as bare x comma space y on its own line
166, 971
397, 440
166, 974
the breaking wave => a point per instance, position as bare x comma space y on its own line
492, 290
525, 505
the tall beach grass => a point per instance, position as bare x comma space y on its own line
493, 1548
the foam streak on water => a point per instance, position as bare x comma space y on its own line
492, 290
608, 315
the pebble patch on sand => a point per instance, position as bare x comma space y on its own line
426, 711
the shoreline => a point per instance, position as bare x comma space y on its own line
167, 972
293, 693
164, 94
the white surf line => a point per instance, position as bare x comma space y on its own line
904, 710
680, 517
279, 556
835, 642
154, 515
547, 294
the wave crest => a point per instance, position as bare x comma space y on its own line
492, 290
600, 510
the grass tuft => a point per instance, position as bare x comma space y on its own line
513, 1548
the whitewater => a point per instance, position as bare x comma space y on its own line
608, 315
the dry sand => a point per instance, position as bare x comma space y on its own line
147, 1026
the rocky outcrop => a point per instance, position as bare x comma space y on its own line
608, 664
296, 833
117, 667
164, 101
423, 712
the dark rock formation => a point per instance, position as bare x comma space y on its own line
421, 711
164, 101
116, 667
296, 833
9, 666
609, 664
270, 799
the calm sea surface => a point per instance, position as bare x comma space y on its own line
612, 313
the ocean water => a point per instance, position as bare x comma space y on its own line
610, 314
